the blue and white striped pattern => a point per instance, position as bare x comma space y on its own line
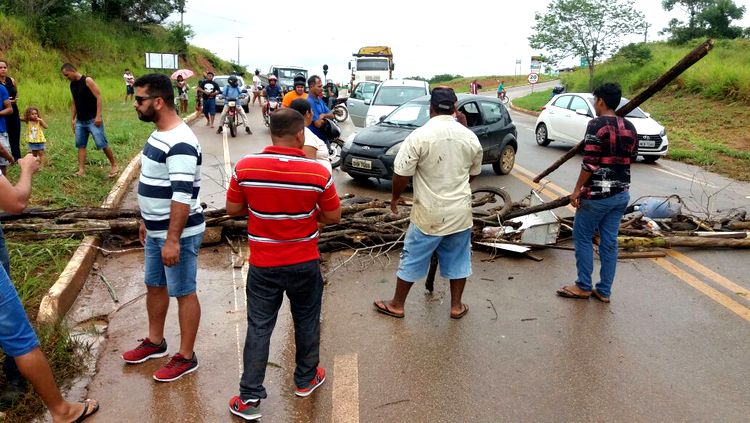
170, 171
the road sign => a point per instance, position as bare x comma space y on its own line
584, 62
533, 78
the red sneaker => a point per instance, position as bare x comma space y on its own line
248, 410
145, 351
177, 367
320, 377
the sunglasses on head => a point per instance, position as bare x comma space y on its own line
140, 100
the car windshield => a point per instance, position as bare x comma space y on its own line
221, 81
635, 113
372, 64
410, 114
398, 95
290, 73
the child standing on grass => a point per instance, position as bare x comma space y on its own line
35, 127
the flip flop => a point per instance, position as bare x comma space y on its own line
566, 293
85, 415
599, 296
461, 314
113, 174
380, 307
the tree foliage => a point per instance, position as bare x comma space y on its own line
634, 53
706, 18
592, 29
443, 77
179, 35
135, 11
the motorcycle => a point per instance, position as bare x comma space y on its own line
339, 110
332, 138
274, 104
232, 119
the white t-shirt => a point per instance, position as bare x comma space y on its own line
129, 79
440, 156
256, 83
321, 156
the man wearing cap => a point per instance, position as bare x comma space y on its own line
297, 92
442, 156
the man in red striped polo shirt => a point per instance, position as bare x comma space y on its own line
285, 196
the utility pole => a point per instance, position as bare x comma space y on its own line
238, 50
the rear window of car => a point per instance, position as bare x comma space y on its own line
398, 95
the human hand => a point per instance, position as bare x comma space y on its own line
73, 126
394, 205
142, 233
98, 121
170, 253
28, 163
575, 197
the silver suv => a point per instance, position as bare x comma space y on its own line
221, 80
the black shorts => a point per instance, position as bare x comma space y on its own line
129, 89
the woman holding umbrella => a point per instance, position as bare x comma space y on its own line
182, 86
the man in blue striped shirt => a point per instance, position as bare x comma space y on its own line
172, 227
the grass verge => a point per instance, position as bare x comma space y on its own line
534, 101
461, 85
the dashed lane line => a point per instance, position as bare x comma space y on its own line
345, 389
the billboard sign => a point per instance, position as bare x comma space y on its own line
162, 61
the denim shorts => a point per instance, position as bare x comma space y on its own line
86, 127
37, 146
179, 279
6, 145
209, 106
17, 338
454, 255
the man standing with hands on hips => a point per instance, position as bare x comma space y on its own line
172, 226
442, 156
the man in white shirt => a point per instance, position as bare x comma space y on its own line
443, 156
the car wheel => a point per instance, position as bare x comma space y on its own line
507, 159
541, 135
650, 159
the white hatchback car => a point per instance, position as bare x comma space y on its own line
566, 117
391, 94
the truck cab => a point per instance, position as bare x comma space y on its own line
372, 64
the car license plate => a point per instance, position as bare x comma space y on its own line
647, 144
362, 164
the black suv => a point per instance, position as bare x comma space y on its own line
370, 153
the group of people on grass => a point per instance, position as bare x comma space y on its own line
288, 198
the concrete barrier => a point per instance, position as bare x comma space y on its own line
522, 110
61, 296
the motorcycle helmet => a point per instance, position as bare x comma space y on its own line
299, 80
233, 81
272, 77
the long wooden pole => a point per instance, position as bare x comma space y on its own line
689, 60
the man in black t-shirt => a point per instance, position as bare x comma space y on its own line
209, 90
601, 193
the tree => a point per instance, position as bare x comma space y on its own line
707, 18
637, 54
591, 29
136, 11
179, 35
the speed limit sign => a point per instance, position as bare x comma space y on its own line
533, 78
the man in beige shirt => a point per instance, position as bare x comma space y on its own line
443, 156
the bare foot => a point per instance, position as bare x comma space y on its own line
80, 173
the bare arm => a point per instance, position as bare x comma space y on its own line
236, 209
13, 199
310, 151
398, 186
330, 217
95, 90
42, 123
7, 108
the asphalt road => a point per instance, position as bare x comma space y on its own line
672, 345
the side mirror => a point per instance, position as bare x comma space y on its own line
382, 118
648, 115
368, 101
583, 112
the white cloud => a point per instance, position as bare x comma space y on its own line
470, 38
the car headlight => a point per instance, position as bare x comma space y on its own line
393, 150
370, 120
350, 140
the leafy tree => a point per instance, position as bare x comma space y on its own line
588, 28
707, 18
179, 35
635, 53
444, 77
136, 11
419, 78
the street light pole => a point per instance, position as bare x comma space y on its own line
238, 50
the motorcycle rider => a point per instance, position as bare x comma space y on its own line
232, 91
297, 92
320, 111
271, 91
331, 94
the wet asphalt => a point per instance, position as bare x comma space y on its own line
672, 345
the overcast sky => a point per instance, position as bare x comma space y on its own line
471, 38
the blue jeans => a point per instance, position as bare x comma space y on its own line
4, 256
604, 215
303, 284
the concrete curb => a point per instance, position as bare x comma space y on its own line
522, 110
61, 296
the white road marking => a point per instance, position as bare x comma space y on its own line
227, 159
345, 389
692, 179
236, 309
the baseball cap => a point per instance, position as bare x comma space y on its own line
443, 98
299, 81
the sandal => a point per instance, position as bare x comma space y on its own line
381, 307
600, 297
462, 313
85, 414
567, 293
